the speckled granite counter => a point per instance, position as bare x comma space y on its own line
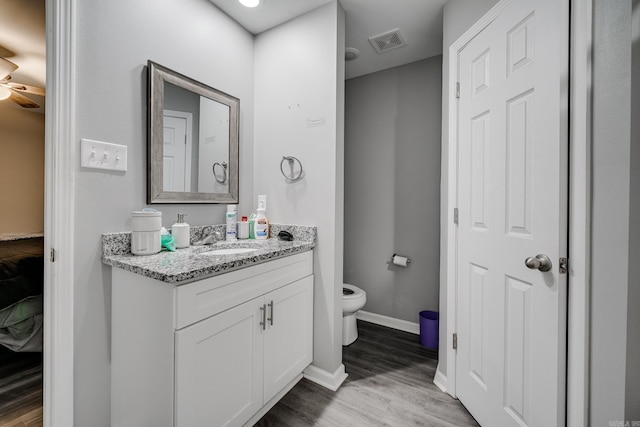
189, 264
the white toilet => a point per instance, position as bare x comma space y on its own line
353, 299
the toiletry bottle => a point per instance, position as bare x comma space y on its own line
181, 232
252, 224
261, 227
231, 223
242, 230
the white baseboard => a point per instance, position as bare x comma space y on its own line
440, 380
390, 322
326, 379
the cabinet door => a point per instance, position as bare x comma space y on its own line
219, 368
288, 342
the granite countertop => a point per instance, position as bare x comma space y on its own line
190, 264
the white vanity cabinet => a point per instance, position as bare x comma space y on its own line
229, 365
213, 352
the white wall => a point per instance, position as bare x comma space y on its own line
21, 170
392, 187
299, 74
459, 16
632, 392
615, 342
114, 41
610, 212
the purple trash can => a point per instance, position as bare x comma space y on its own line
429, 328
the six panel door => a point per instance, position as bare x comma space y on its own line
512, 199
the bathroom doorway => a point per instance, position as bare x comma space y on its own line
22, 170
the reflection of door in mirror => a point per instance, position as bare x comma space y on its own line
179, 102
176, 151
213, 147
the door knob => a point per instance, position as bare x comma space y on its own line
539, 262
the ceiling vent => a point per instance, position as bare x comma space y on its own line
387, 41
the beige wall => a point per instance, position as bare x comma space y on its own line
21, 171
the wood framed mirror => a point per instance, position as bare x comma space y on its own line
193, 140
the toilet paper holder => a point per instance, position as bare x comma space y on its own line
391, 261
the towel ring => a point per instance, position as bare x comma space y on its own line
290, 160
223, 165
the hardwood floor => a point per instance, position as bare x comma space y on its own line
390, 383
21, 390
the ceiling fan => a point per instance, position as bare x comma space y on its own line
14, 91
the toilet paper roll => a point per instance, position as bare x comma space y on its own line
400, 260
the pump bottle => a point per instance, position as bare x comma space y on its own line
181, 232
261, 227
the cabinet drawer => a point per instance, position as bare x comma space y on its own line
198, 300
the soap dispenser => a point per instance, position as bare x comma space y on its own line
181, 232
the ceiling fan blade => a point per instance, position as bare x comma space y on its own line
6, 68
5, 52
26, 88
22, 100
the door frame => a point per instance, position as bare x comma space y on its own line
60, 167
580, 39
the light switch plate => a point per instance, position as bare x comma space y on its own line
103, 155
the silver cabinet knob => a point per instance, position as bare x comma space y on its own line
539, 262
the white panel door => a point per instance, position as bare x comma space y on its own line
174, 154
512, 199
219, 370
288, 343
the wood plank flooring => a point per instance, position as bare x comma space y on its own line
390, 383
21, 390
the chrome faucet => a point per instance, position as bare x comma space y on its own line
208, 237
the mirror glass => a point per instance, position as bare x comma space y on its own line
193, 140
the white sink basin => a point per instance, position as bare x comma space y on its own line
229, 251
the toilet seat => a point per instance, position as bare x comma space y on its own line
357, 292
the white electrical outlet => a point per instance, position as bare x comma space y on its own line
103, 155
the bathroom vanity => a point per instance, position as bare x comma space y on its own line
201, 339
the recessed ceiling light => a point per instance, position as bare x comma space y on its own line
249, 3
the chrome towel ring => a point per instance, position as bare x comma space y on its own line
290, 160
223, 165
